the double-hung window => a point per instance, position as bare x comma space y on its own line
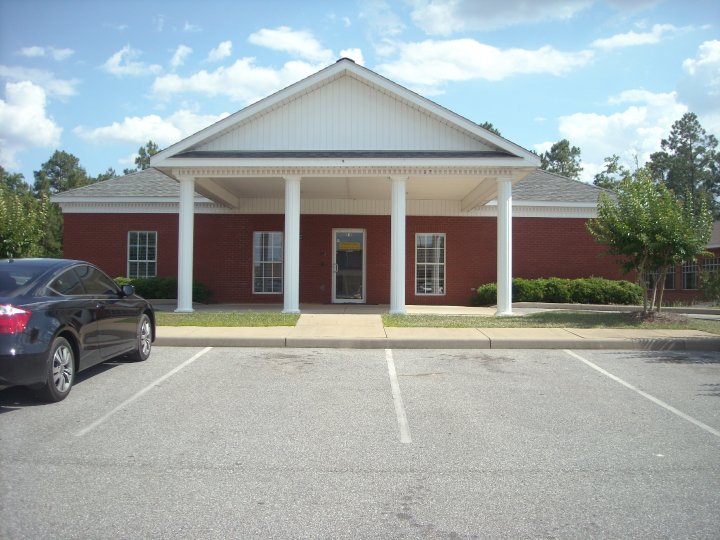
690, 275
430, 263
142, 254
268, 262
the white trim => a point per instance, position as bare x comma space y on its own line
358, 207
282, 262
155, 260
444, 263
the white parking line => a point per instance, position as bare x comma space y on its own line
655, 400
397, 398
149, 387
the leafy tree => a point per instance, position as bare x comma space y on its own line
15, 182
60, 173
107, 175
142, 161
689, 162
651, 230
563, 159
613, 174
490, 127
22, 223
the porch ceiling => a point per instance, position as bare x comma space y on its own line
229, 191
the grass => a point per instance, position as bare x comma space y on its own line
548, 319
206, 318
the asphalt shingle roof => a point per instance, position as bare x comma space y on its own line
537, 186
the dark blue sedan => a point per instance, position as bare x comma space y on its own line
58, 317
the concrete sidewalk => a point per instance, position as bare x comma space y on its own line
366, 331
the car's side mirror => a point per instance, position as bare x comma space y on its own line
128, 290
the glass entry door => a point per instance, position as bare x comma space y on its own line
348, 265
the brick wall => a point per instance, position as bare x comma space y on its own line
223, 251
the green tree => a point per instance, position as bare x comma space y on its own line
651, 230
689, 161
142, 161
60, 173
22, 223
107, 175
15, 182
562, 159
613, 173
490, 128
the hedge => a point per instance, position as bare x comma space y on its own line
165, 288
591, 290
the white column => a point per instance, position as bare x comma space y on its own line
292, 245
504, 247
397, 245
185, 244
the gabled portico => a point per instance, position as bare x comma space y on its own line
346, 141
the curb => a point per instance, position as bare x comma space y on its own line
636, 344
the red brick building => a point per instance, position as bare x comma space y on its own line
342, 188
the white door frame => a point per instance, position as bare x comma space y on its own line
335, 299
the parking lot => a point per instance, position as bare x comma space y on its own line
238, 443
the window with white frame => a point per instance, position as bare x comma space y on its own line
268, 262
651, 278
712, 266
142, 254
690, 275
430, 263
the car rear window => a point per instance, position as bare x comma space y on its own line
14, 278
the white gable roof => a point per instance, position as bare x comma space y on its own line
344, 107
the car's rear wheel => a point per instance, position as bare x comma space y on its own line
144, 339
60, 371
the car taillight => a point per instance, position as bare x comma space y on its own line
13, 320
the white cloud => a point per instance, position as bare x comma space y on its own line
179, 56
54, 88
242, 81
189, 27
221, 51
50, 52
634, 131
429, 64
448, 16
123, 63
354, 54
296, 42
24, 122
629, 39
708, 57
700, 88
140, 129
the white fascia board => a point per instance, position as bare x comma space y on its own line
204, 163
122, 200
548, 204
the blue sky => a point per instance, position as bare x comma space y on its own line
100, 78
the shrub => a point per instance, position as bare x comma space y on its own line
485, 295
591, 290
556, 290
165, 288
710, 285
529, 290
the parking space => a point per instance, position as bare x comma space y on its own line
223, 442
